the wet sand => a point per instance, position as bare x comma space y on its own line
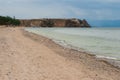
27, 56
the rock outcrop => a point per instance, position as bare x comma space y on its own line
54, 23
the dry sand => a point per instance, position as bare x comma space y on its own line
26, 56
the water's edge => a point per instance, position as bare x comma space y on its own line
110, 60
113, 62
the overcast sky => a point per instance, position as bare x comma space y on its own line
88, 9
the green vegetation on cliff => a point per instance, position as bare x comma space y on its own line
6, 20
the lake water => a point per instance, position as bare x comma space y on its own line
103, 42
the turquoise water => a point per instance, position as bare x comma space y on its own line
103, 42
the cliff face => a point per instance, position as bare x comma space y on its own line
55, 23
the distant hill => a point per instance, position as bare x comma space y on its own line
105, 23
54, 22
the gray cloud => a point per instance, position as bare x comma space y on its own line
90, 9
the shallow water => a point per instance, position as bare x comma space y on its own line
103, 42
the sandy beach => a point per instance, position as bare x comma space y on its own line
27, 56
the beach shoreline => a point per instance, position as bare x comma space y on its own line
49, 58
109, 61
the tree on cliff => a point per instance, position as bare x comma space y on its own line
6, 20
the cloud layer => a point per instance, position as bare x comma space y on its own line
88, 9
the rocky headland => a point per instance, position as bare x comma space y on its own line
54, 23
